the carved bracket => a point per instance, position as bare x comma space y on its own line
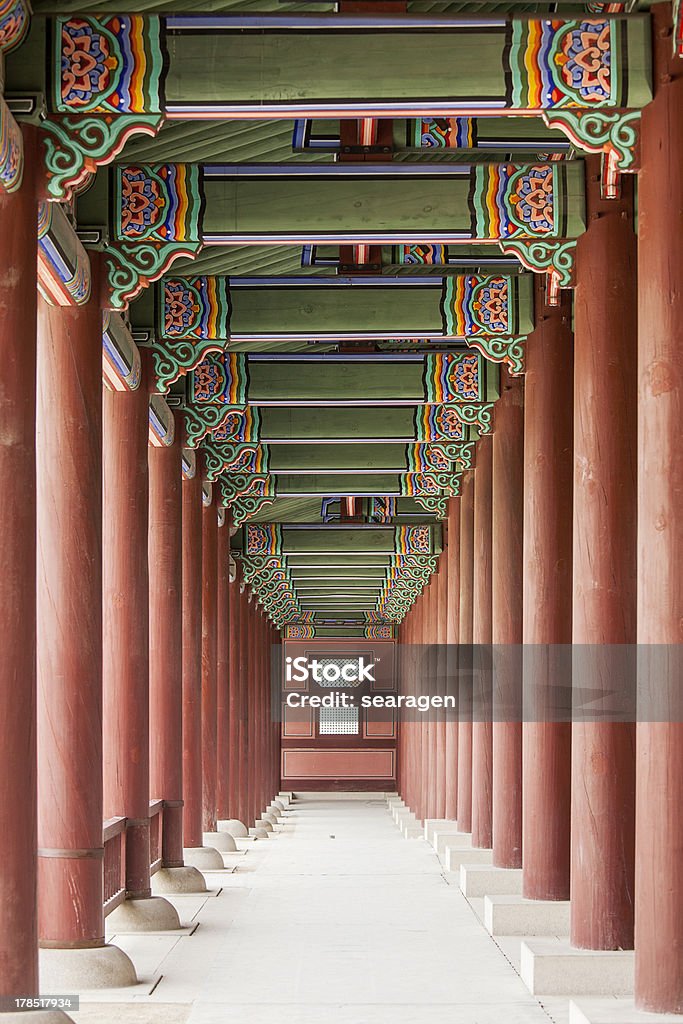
612, 132
133, 266
76, 146
174, 359
501, 350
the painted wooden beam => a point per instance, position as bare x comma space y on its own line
260, 65
206, 308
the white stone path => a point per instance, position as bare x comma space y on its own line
338, 919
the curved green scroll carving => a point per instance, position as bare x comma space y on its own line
132, 267
501, 350
480, 414
542, 257
76, 146
600, 131
174, 359
437, 506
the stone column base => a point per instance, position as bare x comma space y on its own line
259, 833
73, 970
553, 967
205, 858
37, 1017
222, 841
175, 881
515, 915
485, 880
153, 914
614, 1011
236, 828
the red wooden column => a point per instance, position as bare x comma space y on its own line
506, 622
466, 584
430, 614
125, 587
69, 644
224, 627
482, 736
604, 602
18, 805
659, 796
426, 751
234, 802
209, 658
195, 853
546, 742
243, 748
452, 638
441, 615
165, 661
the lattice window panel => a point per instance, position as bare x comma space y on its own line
340, 684
338, 721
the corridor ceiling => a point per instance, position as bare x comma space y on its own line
329, 223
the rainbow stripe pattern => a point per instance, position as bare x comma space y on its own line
474, 304
108, 65
413, 540
197, 307
221, 378
453, 377
438, 422
508, 201
263, 539
563, 63
161, 203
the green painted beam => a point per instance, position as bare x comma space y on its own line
344, 540
349, 458
340, 380
473, 64
313, 205
326, 423
213, 308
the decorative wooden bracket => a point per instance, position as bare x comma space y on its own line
132, 267
76, 146
501, 350
174, 359
613, 133
556, 259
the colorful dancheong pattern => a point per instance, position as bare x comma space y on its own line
238, 425
108, 65
158, 204
443, 133
476, 305
197, 307
423, 255
564, 63
413, 540
222, 378
437, 423
263, 539
453, 377
121, 365
517, 202
63, 264
15, 18
11, 150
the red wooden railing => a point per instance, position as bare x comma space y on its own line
156, 824
114, 841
